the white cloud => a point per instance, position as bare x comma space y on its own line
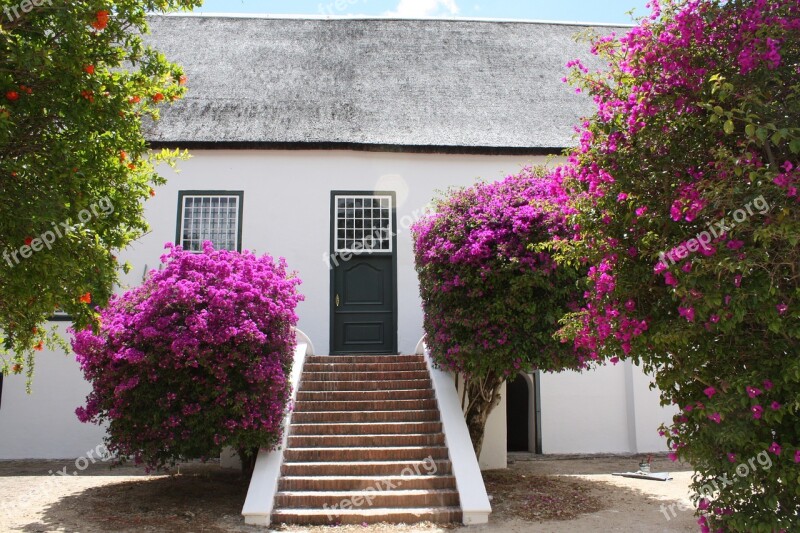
425, 8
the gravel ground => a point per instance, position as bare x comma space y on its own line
550, 494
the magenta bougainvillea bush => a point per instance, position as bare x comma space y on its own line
491, 292
688, 217
196, 358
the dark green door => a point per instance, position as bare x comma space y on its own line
363, 277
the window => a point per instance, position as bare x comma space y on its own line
214, 216
363, 223
62, 316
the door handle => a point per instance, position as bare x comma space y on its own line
337, 300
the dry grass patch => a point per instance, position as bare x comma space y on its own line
540, 498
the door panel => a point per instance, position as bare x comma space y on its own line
365, 284
364, 305
360, 332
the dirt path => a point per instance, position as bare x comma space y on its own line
580, 492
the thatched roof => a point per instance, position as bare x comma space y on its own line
438, 85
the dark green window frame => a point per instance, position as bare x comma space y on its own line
210, 193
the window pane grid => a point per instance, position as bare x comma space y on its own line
363, 223
210, 218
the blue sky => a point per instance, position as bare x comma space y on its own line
603, 11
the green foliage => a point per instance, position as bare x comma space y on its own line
76, 84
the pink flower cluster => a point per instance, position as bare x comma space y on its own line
498, 216
789, 180
194, 359
487, 285
667, 82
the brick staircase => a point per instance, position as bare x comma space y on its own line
366, 445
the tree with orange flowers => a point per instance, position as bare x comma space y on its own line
76, 82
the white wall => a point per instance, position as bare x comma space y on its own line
43, 425
649, 414
493, 453
606, 410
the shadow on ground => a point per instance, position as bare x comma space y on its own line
551, 495
200, 501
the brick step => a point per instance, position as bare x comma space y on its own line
365, 405
376, 395
314, 359
436, 515
394, 453
310, 385
345, 441
366, 468
327, 417
367, 367
366, 446
367, 498
410, 482
377, 428
400, 375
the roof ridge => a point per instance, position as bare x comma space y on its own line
336, 18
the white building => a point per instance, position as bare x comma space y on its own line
304, 133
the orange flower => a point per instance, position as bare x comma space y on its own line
86, 298
158, 97
122, 155
28, 241
134, 99
89, 69
25, 89
152, 192
131, 166
182, 79
89, 95
16, 368
100, 20
12, 96
39, 347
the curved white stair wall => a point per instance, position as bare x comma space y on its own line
264, 483
475, 504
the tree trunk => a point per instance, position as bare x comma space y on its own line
248, 458
483, 395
